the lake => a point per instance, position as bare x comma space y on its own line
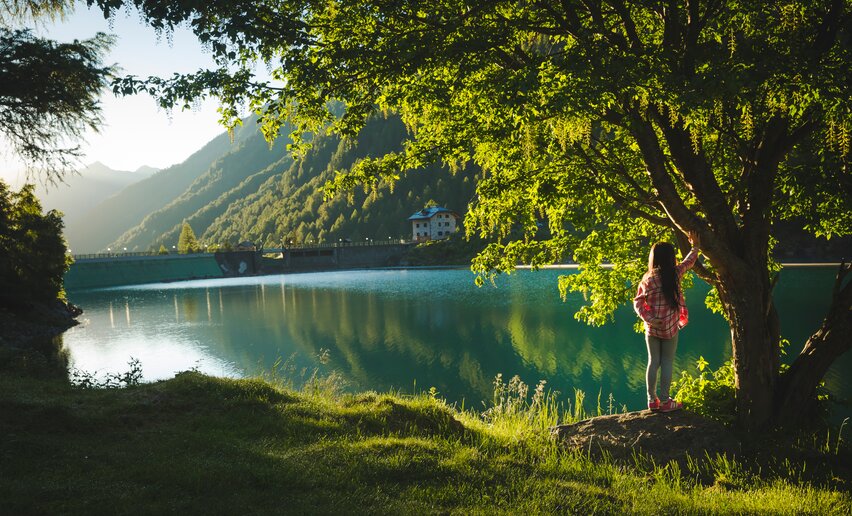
409, 330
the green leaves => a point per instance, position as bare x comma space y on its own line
599, 128
33, 258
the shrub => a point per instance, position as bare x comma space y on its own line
711, 393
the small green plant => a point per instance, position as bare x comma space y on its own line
87, 380
516, 413
286, 374
710, 393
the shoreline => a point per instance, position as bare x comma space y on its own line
562, 266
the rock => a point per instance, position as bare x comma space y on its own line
33, 325
661, 436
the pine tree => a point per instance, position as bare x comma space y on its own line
187, 243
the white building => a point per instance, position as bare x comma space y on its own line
433, 223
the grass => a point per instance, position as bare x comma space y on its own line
203, 445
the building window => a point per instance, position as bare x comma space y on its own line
440, 233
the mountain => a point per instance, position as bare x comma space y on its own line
106, 221
217, 186
87, 187
283, 200
146, 171
245, 189
290, 206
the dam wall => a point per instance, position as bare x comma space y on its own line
111, 271
101, 271
344, 256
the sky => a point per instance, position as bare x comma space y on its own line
135, 131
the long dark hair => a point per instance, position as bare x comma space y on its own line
662, 259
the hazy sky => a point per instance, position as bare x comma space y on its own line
135, 131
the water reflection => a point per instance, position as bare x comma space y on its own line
388, 329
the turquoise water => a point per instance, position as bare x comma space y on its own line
394, 329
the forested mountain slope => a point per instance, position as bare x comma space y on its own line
270, 198
217, 186
290, 206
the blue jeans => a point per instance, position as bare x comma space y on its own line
661, 354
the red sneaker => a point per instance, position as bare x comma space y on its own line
670, 405
654, 406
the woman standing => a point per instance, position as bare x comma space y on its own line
661, 305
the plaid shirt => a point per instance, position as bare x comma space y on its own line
650, 302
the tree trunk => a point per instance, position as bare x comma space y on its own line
755, 342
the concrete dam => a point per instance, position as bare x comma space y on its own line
110, 270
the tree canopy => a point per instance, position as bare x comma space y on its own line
48, 97
33, 260
614, 123
49, 93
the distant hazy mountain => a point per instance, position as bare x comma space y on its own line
107, 220
86, 188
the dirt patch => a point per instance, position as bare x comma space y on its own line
663, 437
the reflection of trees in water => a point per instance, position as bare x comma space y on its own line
375, 340
379, 341
457, 343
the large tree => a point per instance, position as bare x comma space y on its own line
615, 122
33, 259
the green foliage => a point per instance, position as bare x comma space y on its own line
187, 243
33, 256
88, 380
163, 249
455, 250
710, 393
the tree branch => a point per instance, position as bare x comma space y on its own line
698, 176
798, 384
655, 163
